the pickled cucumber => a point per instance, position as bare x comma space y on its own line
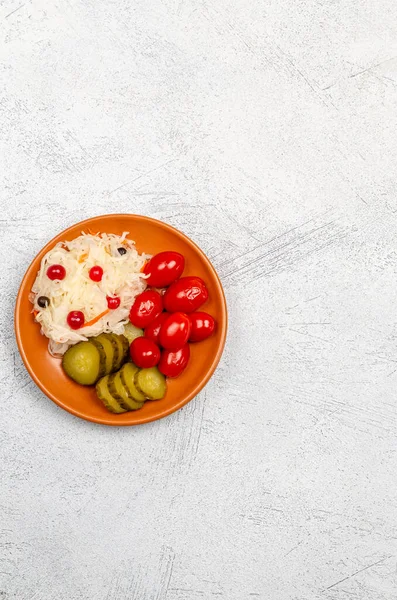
102, 356
111, 351
120, 393
151, 383
122, 345
127, 374
106, 397
125, 344
131, 332
82, 363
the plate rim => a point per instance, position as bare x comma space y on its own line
164, 413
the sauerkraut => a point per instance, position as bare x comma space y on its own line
122, 277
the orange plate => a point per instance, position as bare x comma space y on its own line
151, 236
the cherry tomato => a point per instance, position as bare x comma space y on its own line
56, 272
113, 303
96, 273
146, 308
144, 353
75, 319
164, 268
173, 362
175, 331
185, 295
203, 326
153, 329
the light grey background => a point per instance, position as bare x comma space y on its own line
267, 131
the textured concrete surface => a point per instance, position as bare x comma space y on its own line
267, 131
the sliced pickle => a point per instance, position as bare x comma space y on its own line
151, 383
131, 332
103, 393
120, 393
127, 374
102, 355
122, 346
82, 363
111, 350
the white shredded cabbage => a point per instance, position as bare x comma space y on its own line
122, 277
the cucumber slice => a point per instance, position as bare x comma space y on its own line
116, 348
131, 332
121, 394
82, 363
125, 344
151, 382
111, 351
106, 397
127, 374
122, 346
102, 355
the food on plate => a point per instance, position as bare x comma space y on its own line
174, 362
130, 387
111, 349
131, 332
96, 273
121, 393
164, 268
75, 319
152, 331
147, 306
185, 295
113, 302
82, 363
122, 346
86, 362
151, 383
106, 397
175, 331
144, 353
56, 272
127, 373
203, 325
85, 287
91, 300
43, 301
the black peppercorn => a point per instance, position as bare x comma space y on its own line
122, 251
43, 301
